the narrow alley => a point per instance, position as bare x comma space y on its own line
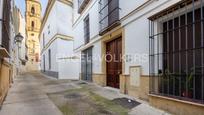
101, 57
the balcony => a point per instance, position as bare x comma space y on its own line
108, 15
82, 5
6, 26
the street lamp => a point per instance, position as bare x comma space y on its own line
18, 38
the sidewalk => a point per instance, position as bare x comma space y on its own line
106, 92
142, 109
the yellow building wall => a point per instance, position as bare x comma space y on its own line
5, 79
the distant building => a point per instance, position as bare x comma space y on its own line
33, 23
57, 42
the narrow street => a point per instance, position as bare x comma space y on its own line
35, 94
101, 57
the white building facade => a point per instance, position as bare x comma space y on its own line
22, 48
148, 49
57, 42
122, 45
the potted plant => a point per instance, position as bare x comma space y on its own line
165, 79
188, 91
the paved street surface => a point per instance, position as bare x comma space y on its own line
36, 94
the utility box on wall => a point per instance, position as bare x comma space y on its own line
135, 72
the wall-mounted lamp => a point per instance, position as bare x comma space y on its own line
18, 39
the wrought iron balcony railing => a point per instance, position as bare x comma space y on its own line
82, 4
108, 15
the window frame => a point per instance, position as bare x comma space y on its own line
87, 29
172, 85
50, 61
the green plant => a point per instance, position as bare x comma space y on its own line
188, 90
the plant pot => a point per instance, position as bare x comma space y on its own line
188, 94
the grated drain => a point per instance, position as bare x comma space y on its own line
126, 103
81, 83
72, 96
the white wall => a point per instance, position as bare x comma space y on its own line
136, 28
59, 22
78, 26
68, 68
54, 65
137, 42
137, 31
50, 26
97, 60
127, 7
64, 19
22, 31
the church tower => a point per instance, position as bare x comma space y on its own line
33, 24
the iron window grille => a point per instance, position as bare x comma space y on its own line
86, 64
177, 52
49, 54
82, 4
43, 40
6, 25
108, 15
86, 30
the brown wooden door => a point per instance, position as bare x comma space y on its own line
114, 62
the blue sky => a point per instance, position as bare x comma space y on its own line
21, 4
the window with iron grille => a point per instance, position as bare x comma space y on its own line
6, 25
177, 52
49, 54
86, 30
82, 5
43, 40
108, 15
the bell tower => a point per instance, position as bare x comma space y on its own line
33, 24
